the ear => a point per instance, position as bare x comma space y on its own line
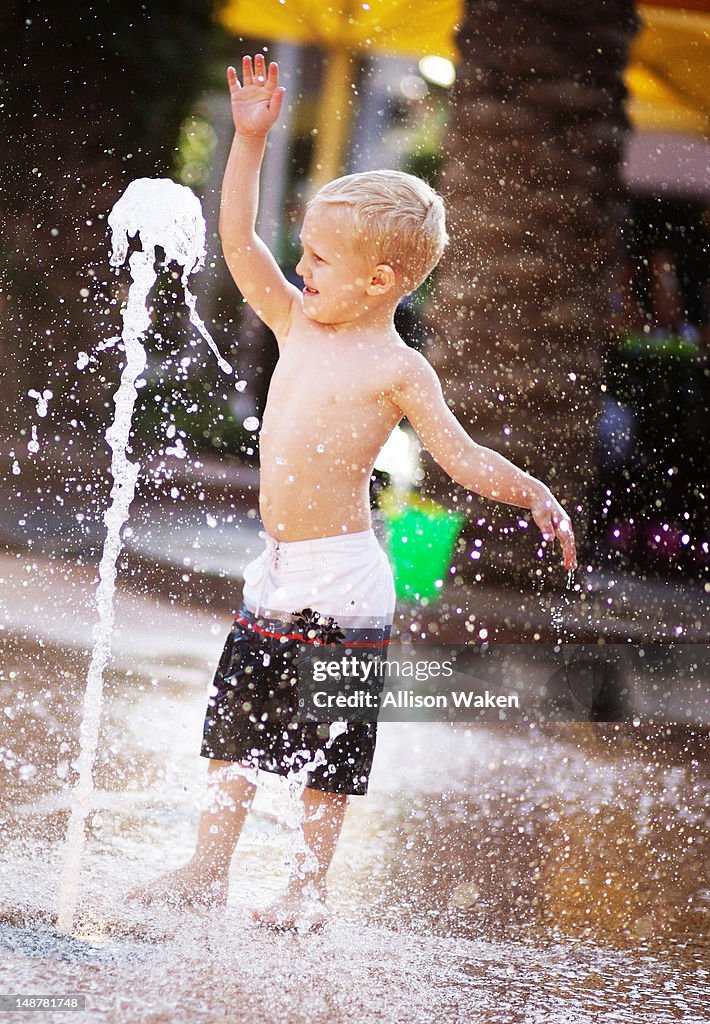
383, 278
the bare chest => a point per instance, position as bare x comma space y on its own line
319, 397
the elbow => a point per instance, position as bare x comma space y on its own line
454, 468
232, 251
229, 224
225, 228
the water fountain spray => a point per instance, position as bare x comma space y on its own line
166, 215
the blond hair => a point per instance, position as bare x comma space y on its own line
396, 219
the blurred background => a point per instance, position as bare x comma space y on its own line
568, 319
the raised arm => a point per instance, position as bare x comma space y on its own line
419, 397
255, 108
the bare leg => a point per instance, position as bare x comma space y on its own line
303, 905
204, 879
323, 820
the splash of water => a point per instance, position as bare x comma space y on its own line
299, 858
290, 814
167, 215
42, 399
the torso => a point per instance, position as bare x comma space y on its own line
327, 416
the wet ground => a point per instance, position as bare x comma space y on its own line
493, 874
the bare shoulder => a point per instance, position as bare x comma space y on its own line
408, 369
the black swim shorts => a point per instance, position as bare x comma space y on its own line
252, 712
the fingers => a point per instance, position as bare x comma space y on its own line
259, 69
256, 74
569, 552
565, 536
557, 524
277, 99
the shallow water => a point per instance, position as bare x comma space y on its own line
492, 874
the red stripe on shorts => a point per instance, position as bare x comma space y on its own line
297, 636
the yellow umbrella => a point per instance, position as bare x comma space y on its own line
669, 71
380, 26
344, 29
668, 75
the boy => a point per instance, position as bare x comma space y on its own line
344, 379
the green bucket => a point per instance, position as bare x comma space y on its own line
420, 539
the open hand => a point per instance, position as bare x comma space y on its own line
256, 103
554, 522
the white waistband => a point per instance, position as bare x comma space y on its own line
321, 573
339, 542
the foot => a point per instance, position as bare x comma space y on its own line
301, 909
189, 886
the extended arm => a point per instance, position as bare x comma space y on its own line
255, 107
418, 395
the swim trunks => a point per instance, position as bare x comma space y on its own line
331, 590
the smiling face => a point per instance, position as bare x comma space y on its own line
339, 285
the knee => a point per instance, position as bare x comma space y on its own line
320, 797
216, 766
